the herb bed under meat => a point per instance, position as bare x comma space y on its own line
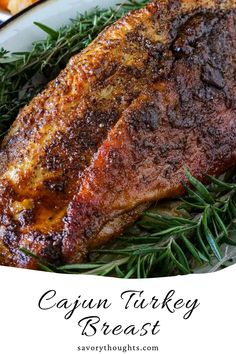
175, 237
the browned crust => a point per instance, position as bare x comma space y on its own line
117, 127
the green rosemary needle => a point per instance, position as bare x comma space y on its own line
24, 74
176, 237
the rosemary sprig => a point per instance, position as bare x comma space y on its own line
164, 243
192, 232
24, 74
176, 240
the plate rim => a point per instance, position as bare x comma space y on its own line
21, 13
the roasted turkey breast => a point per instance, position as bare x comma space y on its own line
154, 94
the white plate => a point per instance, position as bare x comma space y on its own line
19, 32
4, 16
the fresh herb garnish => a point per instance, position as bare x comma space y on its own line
160, 244
177, 239
24, 74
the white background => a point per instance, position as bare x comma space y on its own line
24, 328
